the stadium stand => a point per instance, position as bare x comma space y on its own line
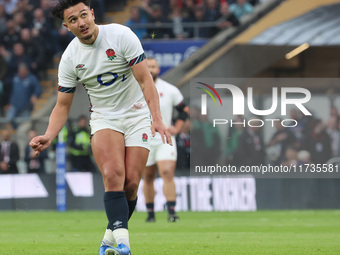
230, 52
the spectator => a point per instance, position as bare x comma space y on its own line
212, 11
25, 92
80, 147
297, 128
146, 11
136, 19
334, 134
34, 51
206, 140
281, 140
241, 8
47, 31
9, 154
35, 164
183, 147
201, 32
233, 138
335, 113
250, 151
304, 157
46, 7
18, 56
4, 82
158, 19
11, 36
188, 10
99, 9
64, 38
26, 9
3, 20
319, 143
227, 19
177, 19
291, 157
19, 21
10, 6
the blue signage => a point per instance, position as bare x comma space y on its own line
60, 176
170, 53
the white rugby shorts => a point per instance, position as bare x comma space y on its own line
162, 152
136, 130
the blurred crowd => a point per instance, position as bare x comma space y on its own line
187, 18
310, 141
29, 39
76, 136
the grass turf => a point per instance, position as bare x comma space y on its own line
261, 232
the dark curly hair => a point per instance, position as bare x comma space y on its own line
62, 5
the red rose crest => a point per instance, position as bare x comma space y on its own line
111, 54
144, 137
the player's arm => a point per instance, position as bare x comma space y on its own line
183, 114
144, 78
57, 120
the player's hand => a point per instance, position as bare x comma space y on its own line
158, 126
173, 130
39, 143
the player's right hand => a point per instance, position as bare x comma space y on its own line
39, 143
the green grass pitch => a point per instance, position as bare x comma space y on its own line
261, 232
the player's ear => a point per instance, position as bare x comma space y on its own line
65, 25
92, 12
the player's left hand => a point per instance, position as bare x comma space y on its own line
158, 126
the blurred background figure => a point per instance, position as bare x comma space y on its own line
227, 19
24, 94
241, 8
80, 147
9, 154
35, 164
319, 143
183, 147
135, 18
250, 150
233, 138
281, 140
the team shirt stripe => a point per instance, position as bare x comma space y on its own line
66, 90
137, 59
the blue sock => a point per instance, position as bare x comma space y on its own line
132, 206
116, 208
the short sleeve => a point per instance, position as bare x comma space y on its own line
66, 76
132, 48
177, 96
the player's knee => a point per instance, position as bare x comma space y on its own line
131, 189
167, 175
149, 178
113, 179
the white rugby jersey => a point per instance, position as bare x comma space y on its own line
169, 97
104, 69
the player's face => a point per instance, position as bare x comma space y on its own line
79, 19
153, 68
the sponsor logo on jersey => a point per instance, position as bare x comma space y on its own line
111, 54
80, 67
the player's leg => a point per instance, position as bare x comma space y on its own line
137, 134
166, 170
108, 148
135, 160
149, 176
